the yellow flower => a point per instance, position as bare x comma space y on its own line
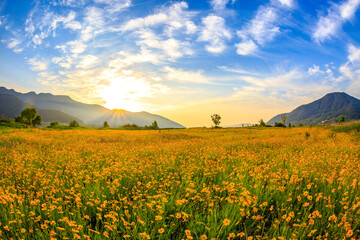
158, 218
203, 237
226, 222
161, 230
349, 233
187, 232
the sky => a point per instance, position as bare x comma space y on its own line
245, 60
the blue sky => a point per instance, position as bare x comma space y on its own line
245, 60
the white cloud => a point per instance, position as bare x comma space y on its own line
13, 43
88, 61
327, 75
114, 6
347, 9
148, 21
77, 46
190, 27
64, 62
354, 53
246, 47
287, 3
173, 16
70, 23
239, 71
351, 70
94, 23
69, 3
38, 29
314, 70
215, 33
219, 5
37, 65
329, 25
171, 47
180, 75
262, 28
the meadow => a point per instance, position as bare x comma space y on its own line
249, 183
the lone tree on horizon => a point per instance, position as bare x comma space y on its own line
216, 119
106, 125
155, 125
29, 117
283, 119
342, 119
74, 123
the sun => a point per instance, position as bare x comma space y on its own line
125, 93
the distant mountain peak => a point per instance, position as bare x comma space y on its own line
330, 107
90, 114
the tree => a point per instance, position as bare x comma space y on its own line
54, 124
342, 119
29, 117
279, 125
262, 123
106, 125
283, 119
216, 119
154, 125
73, 123
19, 119
37, 121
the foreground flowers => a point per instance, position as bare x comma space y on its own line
179, 184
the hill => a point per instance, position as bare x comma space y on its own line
11, 106
330, 108
90, 114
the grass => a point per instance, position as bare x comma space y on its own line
296, 183
347, 127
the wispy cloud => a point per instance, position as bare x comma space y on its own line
14, 44
330, 24
219, 5
88, 61
37, 65
287, 3
263, 28
246, 47
238, 70
114, 6
172, 17
351, 70
170, 47
180, 75
41, 28
354, 53
215, 32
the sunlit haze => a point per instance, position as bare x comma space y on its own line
185, 60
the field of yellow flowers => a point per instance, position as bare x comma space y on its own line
250, 183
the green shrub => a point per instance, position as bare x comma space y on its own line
74, 123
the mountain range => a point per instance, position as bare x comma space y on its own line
329, 108
63, 109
